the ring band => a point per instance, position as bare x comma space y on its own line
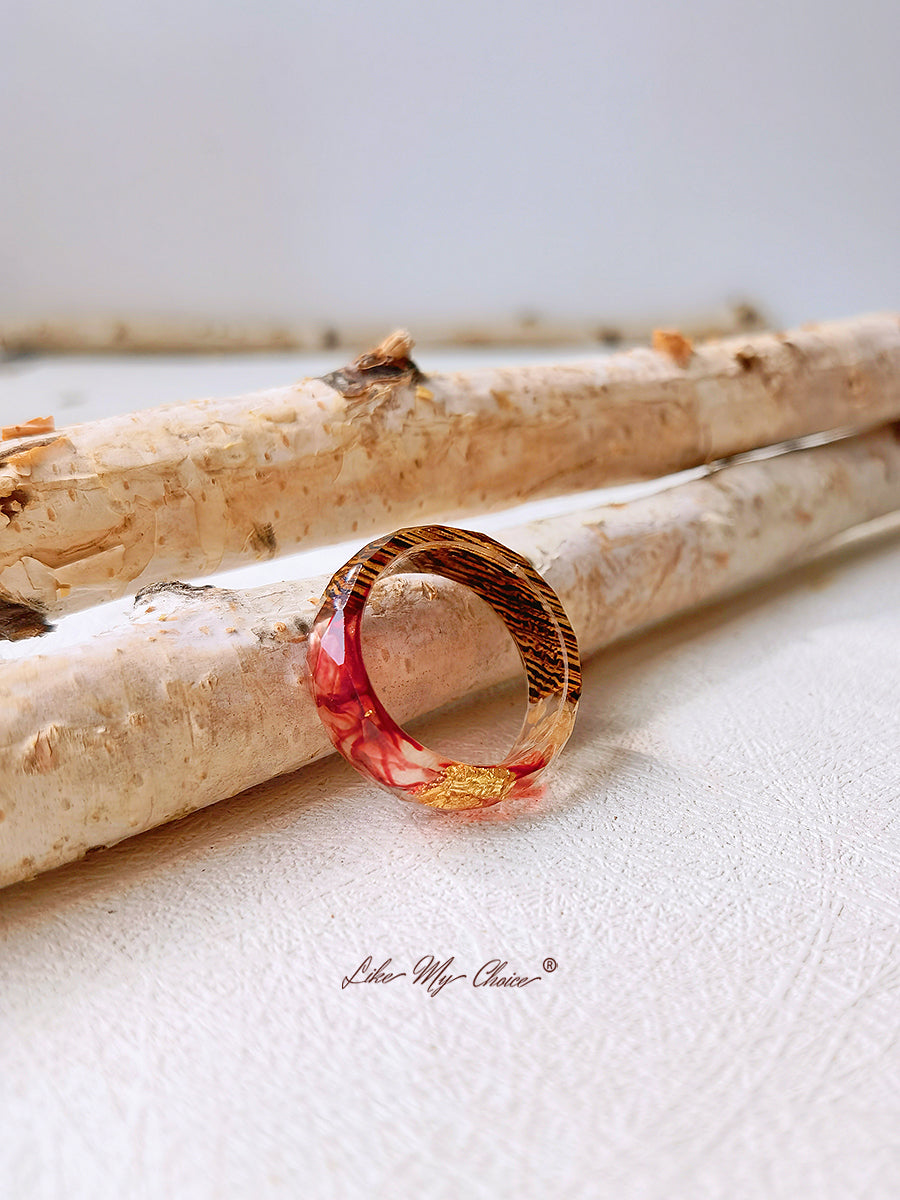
368, 737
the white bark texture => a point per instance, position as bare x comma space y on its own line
97, 510
204, 692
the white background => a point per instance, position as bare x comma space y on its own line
409, 162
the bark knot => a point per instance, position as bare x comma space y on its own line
18, 621
379, 371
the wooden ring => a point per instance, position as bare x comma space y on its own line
368, 737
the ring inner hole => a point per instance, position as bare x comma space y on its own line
433, 617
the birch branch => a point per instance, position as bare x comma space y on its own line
147, 335
97, 510
203, 693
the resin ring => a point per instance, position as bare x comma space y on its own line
361, 728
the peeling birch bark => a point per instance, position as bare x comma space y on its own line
95, 511
204, 692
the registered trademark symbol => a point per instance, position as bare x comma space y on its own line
549, 964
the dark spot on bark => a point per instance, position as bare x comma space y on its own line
263, 540
19, 621
298, 627
747, 316
14, 503
746, 359
609, 335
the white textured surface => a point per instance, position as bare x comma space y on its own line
715, 869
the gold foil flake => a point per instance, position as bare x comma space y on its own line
464, 786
